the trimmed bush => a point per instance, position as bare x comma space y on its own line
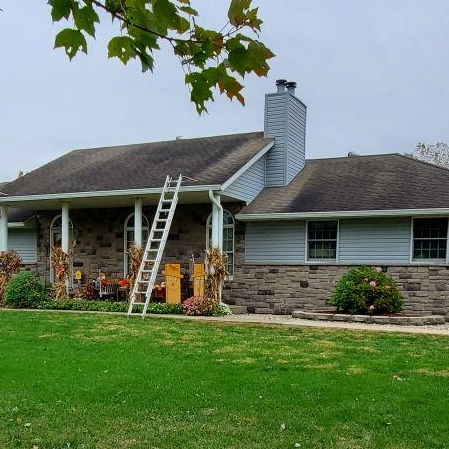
24, 290
366, 290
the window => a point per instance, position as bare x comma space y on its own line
429, 238
56, 240
228, 238
322, 240
128, 236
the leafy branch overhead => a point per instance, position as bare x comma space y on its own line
211, 59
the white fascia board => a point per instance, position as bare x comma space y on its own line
243, 169
103, 193
343, 214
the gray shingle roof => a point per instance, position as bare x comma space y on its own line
382, 182
210, 160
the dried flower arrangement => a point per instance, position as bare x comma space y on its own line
215, 261
9, 265
62, 262
135, 257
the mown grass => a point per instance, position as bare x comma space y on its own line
97, 381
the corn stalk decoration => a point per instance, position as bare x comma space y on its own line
135, 253
215, 261
63, 271
9, 265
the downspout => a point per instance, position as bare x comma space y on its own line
219, 218
217, 225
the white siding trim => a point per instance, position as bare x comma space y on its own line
343, 214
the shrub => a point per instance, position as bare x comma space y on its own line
24, 290
365, 290
107, 306
201, 305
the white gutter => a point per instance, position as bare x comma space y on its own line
242, 170
343, 214
102, 193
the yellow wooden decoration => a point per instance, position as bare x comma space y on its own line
199, 276
78, 275
173, 278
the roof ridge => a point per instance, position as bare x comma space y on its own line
353, 157
164, 141
411, 158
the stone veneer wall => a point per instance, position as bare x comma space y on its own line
280, 289
100, 232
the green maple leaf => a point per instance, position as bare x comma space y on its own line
85, 19
72, 41
60, 9
121, 47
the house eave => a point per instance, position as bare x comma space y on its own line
102, 194
343, 214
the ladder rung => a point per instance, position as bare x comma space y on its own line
138, 303
165, 210
161, 219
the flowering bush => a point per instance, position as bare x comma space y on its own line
366, 290
201, 305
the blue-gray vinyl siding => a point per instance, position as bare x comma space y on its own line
296, 137
25, 243
250, 183
370, 241
285, 121
279, 242
375, 241
275, 126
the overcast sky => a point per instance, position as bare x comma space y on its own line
373, 73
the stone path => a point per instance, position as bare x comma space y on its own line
287, 320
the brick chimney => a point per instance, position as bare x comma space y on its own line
285, 120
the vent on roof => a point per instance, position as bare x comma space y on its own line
353, 154
179, 137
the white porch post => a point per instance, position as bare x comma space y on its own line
3, 228
65, 231
138, 222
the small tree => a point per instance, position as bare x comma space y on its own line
437, 153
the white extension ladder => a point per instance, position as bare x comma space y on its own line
151, 259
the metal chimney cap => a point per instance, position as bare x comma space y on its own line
291, 84
281, 82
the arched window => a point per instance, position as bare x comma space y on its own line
128, 237
56, 240
228, 238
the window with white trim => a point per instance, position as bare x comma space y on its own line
128, 237
429, 239
228, 238
322, 240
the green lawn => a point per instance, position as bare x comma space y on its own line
98, 381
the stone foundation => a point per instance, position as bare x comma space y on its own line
282, 289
